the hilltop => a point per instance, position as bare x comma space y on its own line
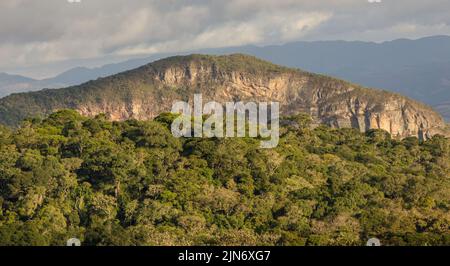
147, 91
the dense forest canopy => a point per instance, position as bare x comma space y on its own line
133, 183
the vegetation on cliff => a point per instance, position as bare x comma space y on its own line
134, 85
145, 92
133, 183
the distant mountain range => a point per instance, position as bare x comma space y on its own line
15, 83
419, 68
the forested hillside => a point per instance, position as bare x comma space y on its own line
133, 183
150, 90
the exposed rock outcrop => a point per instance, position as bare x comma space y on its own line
145, 92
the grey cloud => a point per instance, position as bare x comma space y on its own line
34, 32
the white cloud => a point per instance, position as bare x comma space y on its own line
264, 28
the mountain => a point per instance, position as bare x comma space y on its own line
419, 69
6, 79
78, 75
14, 83
71, 77
145, 92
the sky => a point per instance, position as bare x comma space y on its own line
40, 38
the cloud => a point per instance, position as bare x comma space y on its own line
46, 31
259, 29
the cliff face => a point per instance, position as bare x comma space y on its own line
145, 92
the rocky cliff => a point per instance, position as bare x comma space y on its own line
145, 92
